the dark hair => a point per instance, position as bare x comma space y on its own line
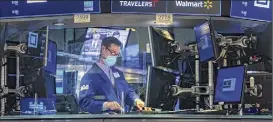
106, 42
116, 33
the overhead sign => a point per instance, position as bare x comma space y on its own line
27, 8
164, 19
184, 7
140, 6
194, 7
252, 9
81, 18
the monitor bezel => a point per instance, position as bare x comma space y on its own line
150, 81
212, 34
243, 86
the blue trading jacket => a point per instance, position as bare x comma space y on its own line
96, 88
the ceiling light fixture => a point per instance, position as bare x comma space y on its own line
59, 24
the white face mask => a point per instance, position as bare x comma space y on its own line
110, 60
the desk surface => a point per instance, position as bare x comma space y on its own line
137, 116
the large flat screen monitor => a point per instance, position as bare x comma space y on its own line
92, 46
157, 89
229, 85
159, 40
205, 41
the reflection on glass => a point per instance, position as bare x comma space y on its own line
91, 48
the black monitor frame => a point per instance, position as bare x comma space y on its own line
243, 86
158, 86
160, 53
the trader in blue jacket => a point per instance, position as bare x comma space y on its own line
103, 88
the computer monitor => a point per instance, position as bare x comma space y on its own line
158, 89
51, 66
37, 44
159, 40
44, 87
205, 40
92, 45
229, 86
35, 61
50, 84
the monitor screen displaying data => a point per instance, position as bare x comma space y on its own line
204, 41
28, 8
229, 84
252, 9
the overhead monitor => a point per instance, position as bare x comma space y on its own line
205, 42
30, 8
183, 7
229, 86
252, 9
92, 46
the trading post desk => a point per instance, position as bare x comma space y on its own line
138, 118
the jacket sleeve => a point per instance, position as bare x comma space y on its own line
130, 94
86, 95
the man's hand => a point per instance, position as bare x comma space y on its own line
112, 106
139, 104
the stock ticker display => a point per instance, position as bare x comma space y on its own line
183, 7
252, 9
26, 8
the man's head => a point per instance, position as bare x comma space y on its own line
110, 50
96, 35
116, 34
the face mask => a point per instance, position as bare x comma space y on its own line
110, 60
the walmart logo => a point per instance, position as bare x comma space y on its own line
208, 4
194, 4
